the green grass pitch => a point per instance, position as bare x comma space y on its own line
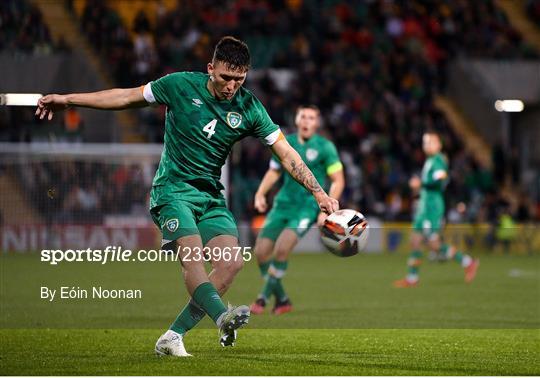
348, 320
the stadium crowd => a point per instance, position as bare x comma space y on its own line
373, 67
76, 191
23, 30
532, 9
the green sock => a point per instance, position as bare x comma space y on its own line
188, 318
207, 297
463, 259
444, 250
460, 257
263, 267
268, 288
280, 268
413, 263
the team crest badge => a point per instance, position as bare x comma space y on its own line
172, 225
234, 119
311, 154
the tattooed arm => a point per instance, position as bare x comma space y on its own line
293, 163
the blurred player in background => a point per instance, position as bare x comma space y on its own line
428, 219
294, 210
206, 115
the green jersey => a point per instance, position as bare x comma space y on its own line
434, 180
201, 130
321, 157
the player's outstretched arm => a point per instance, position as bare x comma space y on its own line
296, 167
337, 180
111, 99
270, 178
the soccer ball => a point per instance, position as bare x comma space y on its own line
345, 232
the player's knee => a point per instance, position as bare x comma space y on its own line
282, 253
416, 242
236, 265
232, 267
263, 254
263, 249
434, 243
284, 246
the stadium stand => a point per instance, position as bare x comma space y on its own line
23, 30
374, 68
388, 98
532, 9
84, 192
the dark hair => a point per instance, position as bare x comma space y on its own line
233, 52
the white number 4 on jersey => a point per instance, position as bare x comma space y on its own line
209, 128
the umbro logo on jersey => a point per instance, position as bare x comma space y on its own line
196, 102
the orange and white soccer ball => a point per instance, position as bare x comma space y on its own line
345, 232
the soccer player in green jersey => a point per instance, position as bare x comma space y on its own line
294, 209
206, 114
428, 220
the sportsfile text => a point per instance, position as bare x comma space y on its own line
119, 254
